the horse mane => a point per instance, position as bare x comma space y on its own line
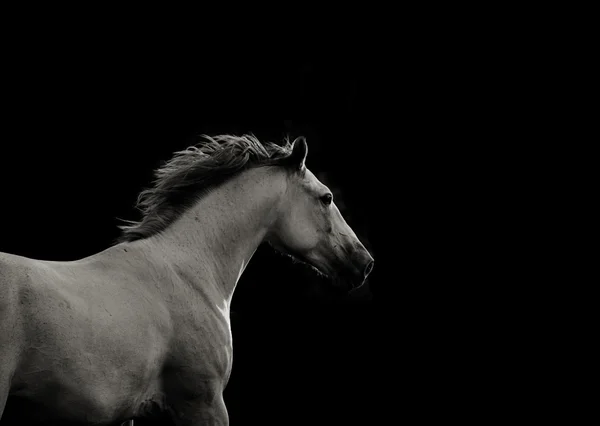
191, 173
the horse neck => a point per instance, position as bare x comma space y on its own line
213, 241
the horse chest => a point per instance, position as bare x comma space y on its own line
203, 351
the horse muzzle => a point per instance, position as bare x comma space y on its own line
364, 266
354, 274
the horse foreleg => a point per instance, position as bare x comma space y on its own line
201, 412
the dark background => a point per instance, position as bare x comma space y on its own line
404, 139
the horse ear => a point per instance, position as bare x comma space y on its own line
299, 152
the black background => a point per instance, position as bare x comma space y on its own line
83, 129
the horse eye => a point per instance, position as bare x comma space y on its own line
327, 199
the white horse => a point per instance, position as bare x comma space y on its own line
144, 325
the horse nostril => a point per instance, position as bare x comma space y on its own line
369, 268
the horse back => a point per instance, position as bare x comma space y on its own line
12, 273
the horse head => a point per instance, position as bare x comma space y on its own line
311, 228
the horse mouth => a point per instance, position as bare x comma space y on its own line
348, 282
340, 279
336, 278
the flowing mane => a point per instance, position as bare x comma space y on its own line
190, 173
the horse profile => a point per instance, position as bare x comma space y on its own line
144, 325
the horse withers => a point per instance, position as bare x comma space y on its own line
144, 325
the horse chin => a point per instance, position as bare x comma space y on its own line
340, 280
347, 282
299, 258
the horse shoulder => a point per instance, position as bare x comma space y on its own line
90, 320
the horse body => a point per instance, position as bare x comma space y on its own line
142, 325
89, 338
